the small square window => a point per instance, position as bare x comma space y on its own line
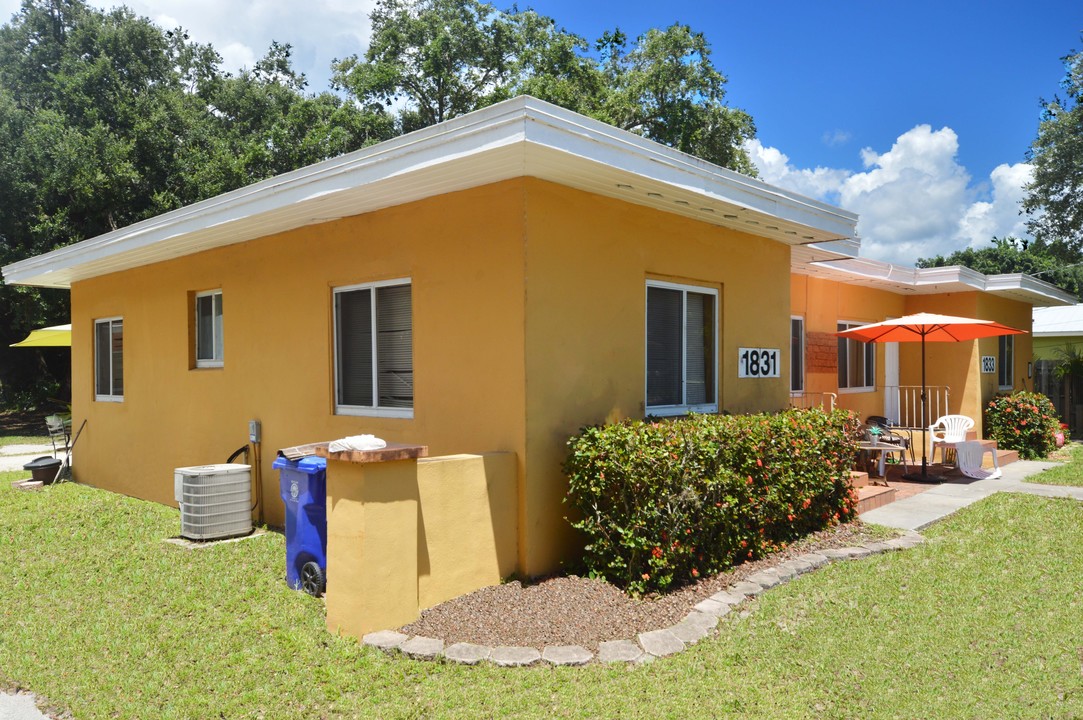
208, 335
109, 360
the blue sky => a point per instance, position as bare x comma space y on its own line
917, 115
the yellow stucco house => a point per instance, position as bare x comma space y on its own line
885, 379
489, 284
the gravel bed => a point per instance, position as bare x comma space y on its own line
571, 610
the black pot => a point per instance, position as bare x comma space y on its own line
44, 469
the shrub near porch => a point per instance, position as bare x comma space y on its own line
1023, 421
662, 503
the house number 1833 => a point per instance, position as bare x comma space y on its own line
758, 363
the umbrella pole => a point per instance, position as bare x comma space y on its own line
924, 476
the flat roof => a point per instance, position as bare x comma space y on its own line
1058, 321
905, 280
520, 137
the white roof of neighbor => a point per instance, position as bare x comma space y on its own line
1058, 321
931, 281
519, 137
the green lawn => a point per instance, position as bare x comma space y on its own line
6, 440
1069, 473
106, 620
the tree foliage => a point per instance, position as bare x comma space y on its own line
437, 59
106, 119
1055, 195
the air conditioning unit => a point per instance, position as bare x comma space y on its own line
215, 500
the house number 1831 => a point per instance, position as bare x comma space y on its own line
758, 363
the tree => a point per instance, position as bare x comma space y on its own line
437, 59
1011, 255
666, 88
1054, 198
106, 119
443, 58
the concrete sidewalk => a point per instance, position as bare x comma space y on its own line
925, 508
13, 457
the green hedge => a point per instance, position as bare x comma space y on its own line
1023, 421
662, 503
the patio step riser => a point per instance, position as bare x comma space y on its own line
859, 479
872, 497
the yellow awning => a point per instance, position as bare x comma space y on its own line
55, 336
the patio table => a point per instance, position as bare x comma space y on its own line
884, 449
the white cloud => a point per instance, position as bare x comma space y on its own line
242, 30
836, 138
1001, 215
915, 200
775, 168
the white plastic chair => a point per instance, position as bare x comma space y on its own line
969, 455
947, 432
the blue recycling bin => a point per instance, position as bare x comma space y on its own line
304, 491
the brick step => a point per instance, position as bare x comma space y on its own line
873, 496
859, 479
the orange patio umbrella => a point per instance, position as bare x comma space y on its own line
928, 327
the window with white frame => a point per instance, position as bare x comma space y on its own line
208, 333
857, 361
797, 354
1006, 362
374, 364
682, 351
109, 359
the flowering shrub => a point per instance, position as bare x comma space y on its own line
662, 503
1023, 421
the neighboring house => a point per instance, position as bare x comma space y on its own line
492, 283
885, 379
1058, 338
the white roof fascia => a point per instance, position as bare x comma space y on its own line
952, 278
1044, 293
522, 122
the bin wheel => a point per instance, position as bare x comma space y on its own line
313, 581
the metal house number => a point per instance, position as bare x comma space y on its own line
758, 363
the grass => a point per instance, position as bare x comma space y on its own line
104, 619
24, 440
1068, 473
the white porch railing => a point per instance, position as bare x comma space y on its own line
903, 404
806, 400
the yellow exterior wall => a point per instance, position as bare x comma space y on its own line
406, 535
588, 261
467, 524
372, 558
468, 308
529, 322
823, 303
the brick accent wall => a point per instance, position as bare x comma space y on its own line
821, 352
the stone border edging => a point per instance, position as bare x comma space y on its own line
700, 622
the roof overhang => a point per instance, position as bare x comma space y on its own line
516, 138
934, 281
1054, 322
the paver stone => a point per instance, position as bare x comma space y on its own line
660, 643
467, 653
567, 655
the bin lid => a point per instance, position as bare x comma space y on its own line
310, 464
42, 462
